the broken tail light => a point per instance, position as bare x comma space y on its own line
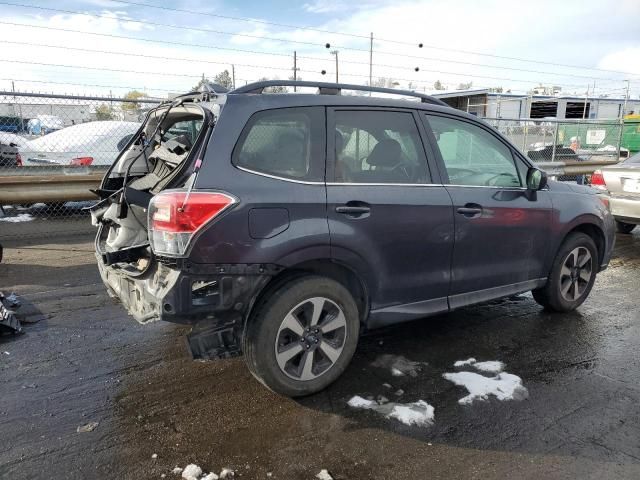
597, 180
81, 161
174, 218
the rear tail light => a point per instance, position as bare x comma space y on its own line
175, 217
597, 180
18, 160
81, 161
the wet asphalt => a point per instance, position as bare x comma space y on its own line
84, 360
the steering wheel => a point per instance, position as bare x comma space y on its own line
492, 180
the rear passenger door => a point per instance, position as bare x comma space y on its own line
389, 218
501, 233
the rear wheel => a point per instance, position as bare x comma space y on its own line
572, 275
623, 227
302, 336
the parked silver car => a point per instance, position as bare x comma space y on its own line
622, 181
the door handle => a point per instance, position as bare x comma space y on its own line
353, 210
470, 210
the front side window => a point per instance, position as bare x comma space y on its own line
378, 147
287, 142
472, 156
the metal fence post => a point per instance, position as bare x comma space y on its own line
555, 142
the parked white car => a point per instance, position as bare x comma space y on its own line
92, 143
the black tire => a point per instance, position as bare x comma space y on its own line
623, 227
551, 295
266, 334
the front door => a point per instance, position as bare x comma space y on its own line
388, 219
501, 233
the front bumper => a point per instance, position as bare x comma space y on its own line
186, 293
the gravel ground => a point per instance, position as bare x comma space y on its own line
84, 360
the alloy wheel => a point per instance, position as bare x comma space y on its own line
576, 273
311, 338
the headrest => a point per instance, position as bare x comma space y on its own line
386, 153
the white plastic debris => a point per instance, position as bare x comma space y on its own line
387, 385
191, 472
324, 475
176, 471
154, 456
89, 427
503, 386
210, 476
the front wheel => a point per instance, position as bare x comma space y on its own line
623, 227
572, 275
302, 336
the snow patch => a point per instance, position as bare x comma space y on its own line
504, 386
418, 413
191, 472
491, 366
21, 217
324, 475
398, 365
464, 363
176, 471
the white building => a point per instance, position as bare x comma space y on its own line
487, 104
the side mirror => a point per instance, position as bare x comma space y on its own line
536, 179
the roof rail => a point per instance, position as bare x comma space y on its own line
325, 88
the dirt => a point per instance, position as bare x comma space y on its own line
84, 361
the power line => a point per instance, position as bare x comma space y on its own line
364, 37
398, 67
123, 87
261, 37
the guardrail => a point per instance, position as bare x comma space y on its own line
68, 184
573, 167
23, 189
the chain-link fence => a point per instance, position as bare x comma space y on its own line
550, 140
52, 150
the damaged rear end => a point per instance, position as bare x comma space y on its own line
149, 215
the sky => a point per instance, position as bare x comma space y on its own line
101, 47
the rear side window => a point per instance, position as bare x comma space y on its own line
378, 147
287, 142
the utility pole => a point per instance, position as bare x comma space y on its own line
233, 75
335, 53
295, 69
624, 109
371, 61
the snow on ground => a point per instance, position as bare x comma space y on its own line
464, 363
21, 217
191, 472
324, 475
398, 365
418, 413
491, 366
504, 386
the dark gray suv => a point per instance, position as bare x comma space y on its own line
281, 226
